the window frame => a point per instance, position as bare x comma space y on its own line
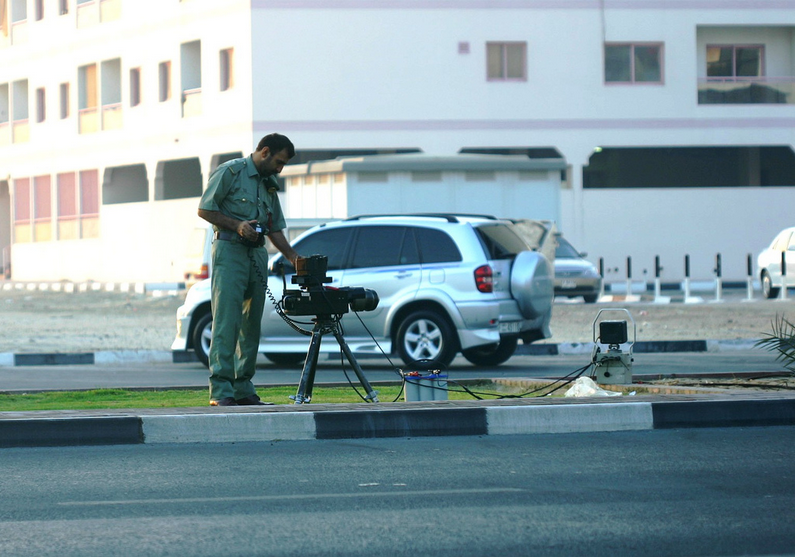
226, 61
734, 77
164, 81
41, 105
135, 87
632, 74
63, 100
504, 61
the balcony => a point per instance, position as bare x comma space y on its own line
5, 133
109, 10
746, 90
87, 14
191, 102
20, 131
111, 116
19, 32
88, 120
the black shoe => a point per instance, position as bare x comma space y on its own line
227, 401
252, 400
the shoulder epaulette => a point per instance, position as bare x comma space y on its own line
236, 165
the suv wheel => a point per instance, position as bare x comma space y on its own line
426, 335
202, 335
492, 354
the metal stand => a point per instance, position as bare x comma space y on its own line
324, 324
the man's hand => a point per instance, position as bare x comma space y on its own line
246, 230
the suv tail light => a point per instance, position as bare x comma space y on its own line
484, 279
204, 273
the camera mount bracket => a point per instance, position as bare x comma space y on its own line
324, 324
613, 367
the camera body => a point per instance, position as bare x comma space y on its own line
314, 298
260, 237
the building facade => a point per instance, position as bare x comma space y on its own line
675, 118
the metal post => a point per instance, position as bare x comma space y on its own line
629, 277
718, 278
602, 274
783, 275
657, 270
687, 277
750, 287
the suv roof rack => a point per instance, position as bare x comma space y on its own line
450, 217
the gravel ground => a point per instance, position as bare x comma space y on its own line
36, 321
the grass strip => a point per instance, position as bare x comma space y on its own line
104, 399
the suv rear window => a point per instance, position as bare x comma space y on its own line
436, 246
500, 241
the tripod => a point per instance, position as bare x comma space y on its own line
324, 324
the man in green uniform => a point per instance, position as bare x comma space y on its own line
241, 195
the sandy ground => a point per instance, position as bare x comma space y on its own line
35, 321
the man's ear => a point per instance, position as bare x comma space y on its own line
265, 151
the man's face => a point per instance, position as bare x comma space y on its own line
272, 163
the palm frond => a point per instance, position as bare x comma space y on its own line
781, 341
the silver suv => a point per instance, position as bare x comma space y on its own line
446, 283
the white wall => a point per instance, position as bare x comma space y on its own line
139, 242
673, 223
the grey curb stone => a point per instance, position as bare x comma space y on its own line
441, 418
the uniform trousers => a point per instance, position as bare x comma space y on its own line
238, 299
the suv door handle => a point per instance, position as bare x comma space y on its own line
404, 274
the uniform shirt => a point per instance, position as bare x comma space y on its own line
237, 190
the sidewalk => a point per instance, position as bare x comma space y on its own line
395, 419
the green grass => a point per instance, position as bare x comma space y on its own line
101, 399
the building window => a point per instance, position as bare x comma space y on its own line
41, 105
633, 63
23, 231
39, 4
731, 61
63, 7
227, 69
42, 209
506, 61
135, 86
64, 94
164, 77
88, 99
89, 203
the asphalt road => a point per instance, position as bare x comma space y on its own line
673, 492
138, 375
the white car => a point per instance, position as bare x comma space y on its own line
770, 260
574, 275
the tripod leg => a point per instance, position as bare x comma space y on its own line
371, 394
304, 393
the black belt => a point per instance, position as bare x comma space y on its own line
226, 235
235, 237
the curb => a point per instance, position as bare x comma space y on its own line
10, 359
390, 420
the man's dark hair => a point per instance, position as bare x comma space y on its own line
277, 142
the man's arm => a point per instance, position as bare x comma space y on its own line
281, 243
242, 227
